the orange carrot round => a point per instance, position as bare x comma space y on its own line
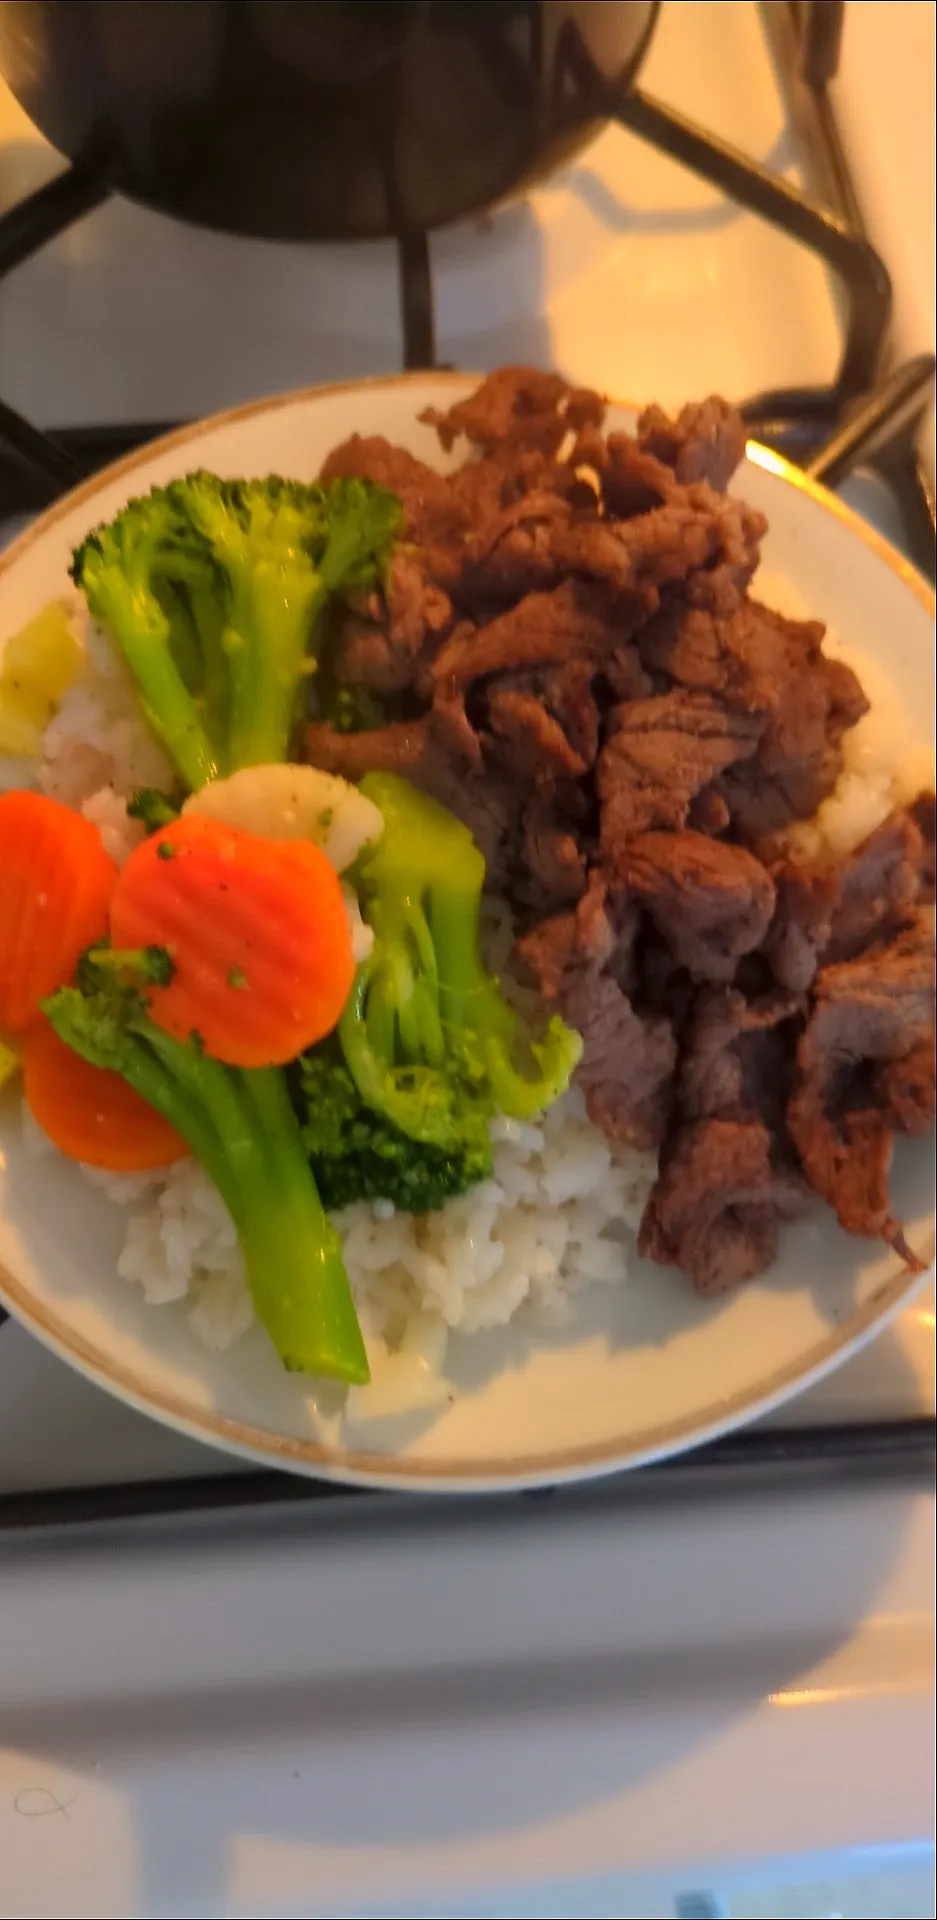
91, 1113
258, 933
55, 885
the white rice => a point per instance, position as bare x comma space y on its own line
561, 1208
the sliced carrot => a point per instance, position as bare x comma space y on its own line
55, 885
90, 1113
257, 930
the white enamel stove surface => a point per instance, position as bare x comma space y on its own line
584, 1710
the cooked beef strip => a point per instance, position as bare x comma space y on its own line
923, 812
830, 909
711, 902
487, 803
549, 606
553, 861
517, 404
756, 661
878, 882
705, 442
633, 480
384, 653
718, 1204
580, 960
694, 530
538, 747
906, 1088
660, 754
627, 1063
548, 719
431, 511
624, 676
575, 621
799, 758
807, 894
738, 1057
869, 1015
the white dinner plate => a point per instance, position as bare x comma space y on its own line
644, 1370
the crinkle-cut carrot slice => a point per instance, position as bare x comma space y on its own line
92, 1114
258, 933
55, 885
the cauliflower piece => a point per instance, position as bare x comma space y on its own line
285, 802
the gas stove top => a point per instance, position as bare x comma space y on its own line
663, 263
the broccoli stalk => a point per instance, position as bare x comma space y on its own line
213, 590
427, 1035
123, 570
241, 1127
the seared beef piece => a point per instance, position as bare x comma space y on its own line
487, 804
598, 937
709, 813
720, 1199
830, 910
711, 902
517, 405
907, 1090
583, 962
627, 1062
738, 1057
923, 812
552, 866
548, 720
568, 692
536, 746
758, 662
869, 1016
807, 896
453, 730
659, 755
799, 758
877, 885
543, 630
516, 553
695, 529
384, 653
633, 481
431, 512
705, 442
624, 675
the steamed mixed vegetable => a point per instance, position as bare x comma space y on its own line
214, 590
285, 978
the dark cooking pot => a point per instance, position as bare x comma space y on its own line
320, 119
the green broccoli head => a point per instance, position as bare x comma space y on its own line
427, 1033
357, 1153
214, 589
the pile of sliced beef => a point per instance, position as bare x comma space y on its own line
567, 654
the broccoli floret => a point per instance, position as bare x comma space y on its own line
428, 1037
134, 574
213, 590
241, 1127
357, 1154
152, 808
